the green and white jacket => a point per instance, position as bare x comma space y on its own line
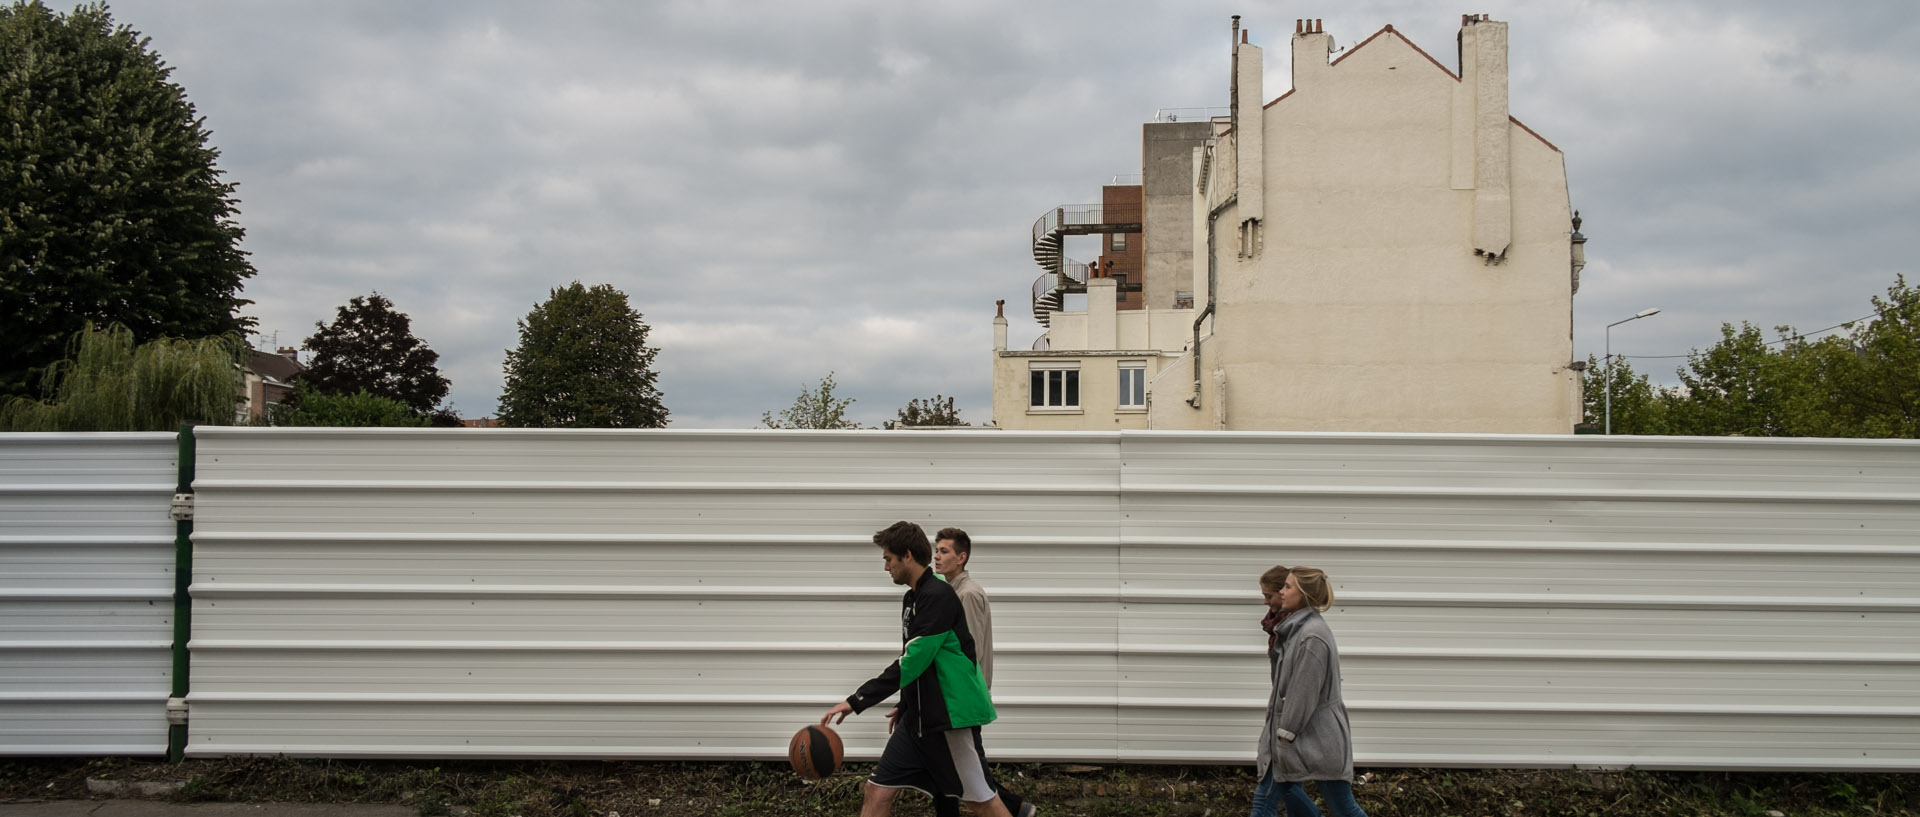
938, 672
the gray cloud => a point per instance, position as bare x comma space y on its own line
787, 189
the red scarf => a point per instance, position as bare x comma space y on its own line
1271, 623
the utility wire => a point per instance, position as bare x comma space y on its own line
1799, 336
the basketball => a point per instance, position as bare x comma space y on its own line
815, 752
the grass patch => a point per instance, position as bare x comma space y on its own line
638, 789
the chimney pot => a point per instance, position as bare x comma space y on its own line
1243, 35
1000, 308
1299, 26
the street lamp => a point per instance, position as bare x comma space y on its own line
1644, 313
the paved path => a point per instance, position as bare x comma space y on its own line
152, 808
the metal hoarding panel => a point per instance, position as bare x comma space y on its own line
627, 594
1535, 601
1503, 601
86, 592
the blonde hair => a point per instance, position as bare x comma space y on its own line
1314, 588
1274, 577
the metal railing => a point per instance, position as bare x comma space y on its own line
1043, 285
1076, 270
1125, 180
1076, 273
1189, 114
1075, 214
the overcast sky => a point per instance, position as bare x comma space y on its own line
784, 189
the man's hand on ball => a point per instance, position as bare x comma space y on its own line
841, 709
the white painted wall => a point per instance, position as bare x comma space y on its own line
86, 593
1362, 305
1503, 601
1396, 258
1100, 340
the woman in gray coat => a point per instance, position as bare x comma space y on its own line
1306, 736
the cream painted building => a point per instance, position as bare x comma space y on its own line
1380, 248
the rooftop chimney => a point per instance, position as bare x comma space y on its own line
1249, 135
1311, 45
1000, 326
1480, 119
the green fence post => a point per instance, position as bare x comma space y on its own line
182, 603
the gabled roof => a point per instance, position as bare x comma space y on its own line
1389, 29
1403, 38
277, 366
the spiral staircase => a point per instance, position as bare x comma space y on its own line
1064, 275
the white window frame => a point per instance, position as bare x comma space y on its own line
1053, 379
1136, 371
1117, 242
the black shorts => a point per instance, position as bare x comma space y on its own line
950, 763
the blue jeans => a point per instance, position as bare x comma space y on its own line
1268, 796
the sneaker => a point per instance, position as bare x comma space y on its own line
1026, 810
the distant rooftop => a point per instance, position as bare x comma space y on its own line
1190, 114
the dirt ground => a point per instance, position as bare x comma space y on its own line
640, 789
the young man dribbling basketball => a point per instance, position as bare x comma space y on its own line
935, 745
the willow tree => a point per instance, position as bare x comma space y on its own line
110, 383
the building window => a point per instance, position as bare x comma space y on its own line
1055, 386
1133, 384
1117, 242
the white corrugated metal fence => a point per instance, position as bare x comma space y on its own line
1504, 601
86, 593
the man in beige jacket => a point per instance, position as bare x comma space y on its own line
952, 549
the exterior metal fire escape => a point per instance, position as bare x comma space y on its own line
1064, 275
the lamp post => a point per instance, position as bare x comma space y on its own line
1644, 313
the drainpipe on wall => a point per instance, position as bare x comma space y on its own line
1233, 81
1213, 266
1233, 126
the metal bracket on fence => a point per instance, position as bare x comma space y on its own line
176, 712
182, 508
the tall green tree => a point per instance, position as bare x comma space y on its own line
816, 407
370, 348
937, 410
1639, 407
1865, 383
1879, 381
112, 210
110, 383
1737, 387
583, 362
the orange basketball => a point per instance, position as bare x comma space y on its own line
815, 752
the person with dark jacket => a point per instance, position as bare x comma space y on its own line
935, 746
1306, 735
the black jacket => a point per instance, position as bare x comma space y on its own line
943, 687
